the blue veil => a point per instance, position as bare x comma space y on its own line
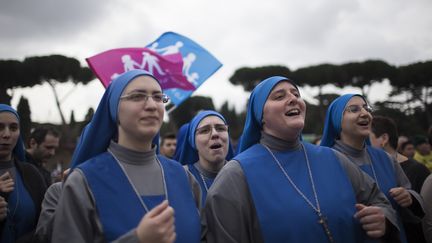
97, 135
333, 121
18, 151
253, 125
189, 153
181, 139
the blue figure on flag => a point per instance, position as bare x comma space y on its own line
198, 63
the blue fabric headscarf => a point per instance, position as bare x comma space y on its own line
97, 135
181, 139
189, 153
18, 151
253, 125
333, 121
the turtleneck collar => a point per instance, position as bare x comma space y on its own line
133, 157
206, 173
6, 164
346, 149
278, 144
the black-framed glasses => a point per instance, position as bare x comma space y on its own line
141, 96
207, 129
357, 108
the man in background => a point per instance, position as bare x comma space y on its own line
168, 145
42, 145
423, 152
384, 135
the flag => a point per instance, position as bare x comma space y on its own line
168, 69
198, 63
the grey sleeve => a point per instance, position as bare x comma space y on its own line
426, 193
366, 190
195, 187
414, 212
76, 218
45, 224
229, 214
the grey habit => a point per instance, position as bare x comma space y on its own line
76, 218
413, 213
229, 214
426, 192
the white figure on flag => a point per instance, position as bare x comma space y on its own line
188, 60
129, 63
152, 62
168, 50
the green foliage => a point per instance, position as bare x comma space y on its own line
24, 112
38, 69
319, 75
234, 120
360, 74
414, 81
188, 109
250, 77
72, 121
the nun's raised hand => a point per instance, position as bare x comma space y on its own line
6, 183
401, 196
157, 226
372, 219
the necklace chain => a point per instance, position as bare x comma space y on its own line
203, 180
133, 186
374, 174
317, 208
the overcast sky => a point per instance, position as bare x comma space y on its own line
239, 33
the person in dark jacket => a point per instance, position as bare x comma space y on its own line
42, 146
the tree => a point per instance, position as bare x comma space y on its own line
52, 69
319, 76
23, 110
250, 77
72, 121
416, 80
12, 75
188, 109
235, 121
364, 74
56, 69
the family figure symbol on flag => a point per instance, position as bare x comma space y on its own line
180, 64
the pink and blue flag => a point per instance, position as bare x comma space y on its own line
167, 69
198, 63
180, 64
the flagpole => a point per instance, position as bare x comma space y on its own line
171, 109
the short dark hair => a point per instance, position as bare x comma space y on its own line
168, 136
406, 143
381, 125
39, 134
420, 139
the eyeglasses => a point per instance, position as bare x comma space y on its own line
140, 96
357, 108
207, 129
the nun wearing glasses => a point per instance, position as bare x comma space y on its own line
119, 189
347, 128
206, 148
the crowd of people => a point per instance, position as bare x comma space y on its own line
361, 182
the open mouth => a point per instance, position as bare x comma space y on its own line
293, 112
363, 123
216, 146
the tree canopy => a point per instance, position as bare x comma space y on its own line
36, 70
